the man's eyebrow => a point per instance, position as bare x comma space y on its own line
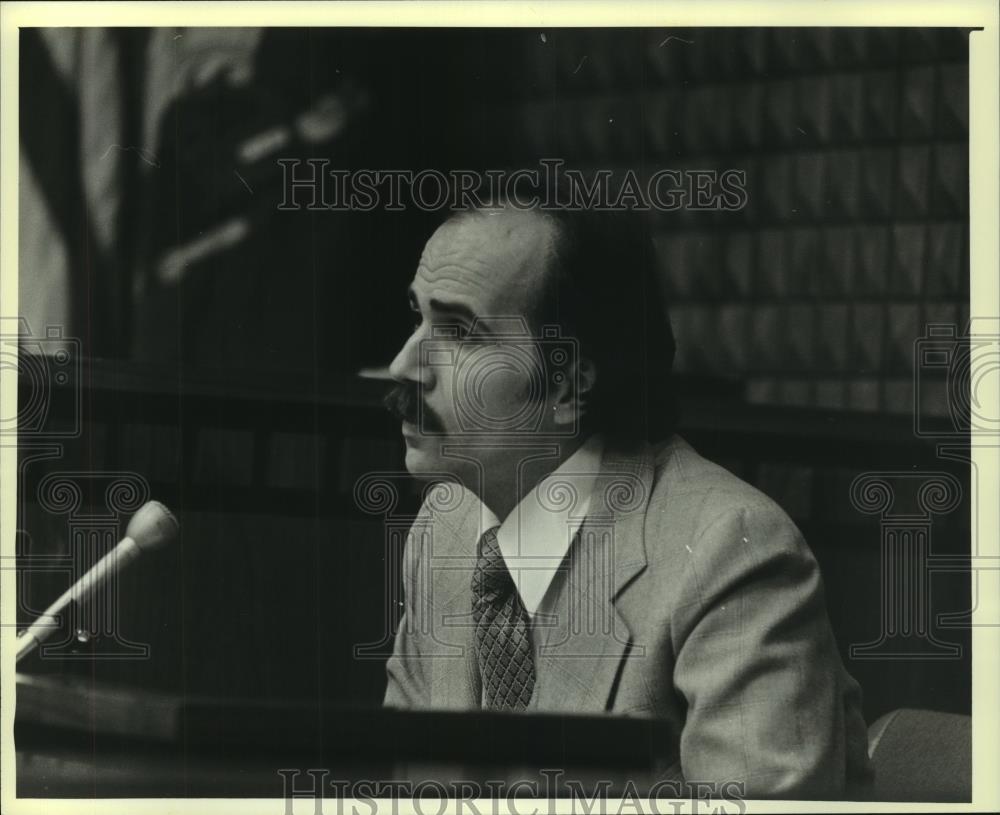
443, 307
458, 309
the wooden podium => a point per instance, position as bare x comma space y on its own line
78, 740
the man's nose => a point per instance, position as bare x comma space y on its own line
406, 366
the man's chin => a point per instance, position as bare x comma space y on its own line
420, 461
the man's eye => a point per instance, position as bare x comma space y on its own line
449, 329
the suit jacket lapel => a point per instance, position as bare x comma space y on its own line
584, 649
453, 667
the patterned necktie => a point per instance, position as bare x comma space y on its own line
503, 642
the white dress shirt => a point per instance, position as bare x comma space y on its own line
535, 537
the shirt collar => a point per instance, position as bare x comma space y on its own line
536, 536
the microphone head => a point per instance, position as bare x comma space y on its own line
152, 526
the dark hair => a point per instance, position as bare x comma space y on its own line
604, 290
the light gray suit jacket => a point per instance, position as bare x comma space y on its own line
689, 596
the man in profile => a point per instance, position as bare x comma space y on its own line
578, 555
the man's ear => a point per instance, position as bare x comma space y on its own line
573, 399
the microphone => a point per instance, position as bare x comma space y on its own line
150, 528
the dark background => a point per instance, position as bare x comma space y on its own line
229, 381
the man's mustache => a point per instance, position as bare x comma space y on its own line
403, 402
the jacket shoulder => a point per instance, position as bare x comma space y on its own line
691, 494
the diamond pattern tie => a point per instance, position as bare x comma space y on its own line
503, 641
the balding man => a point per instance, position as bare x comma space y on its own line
580, 556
